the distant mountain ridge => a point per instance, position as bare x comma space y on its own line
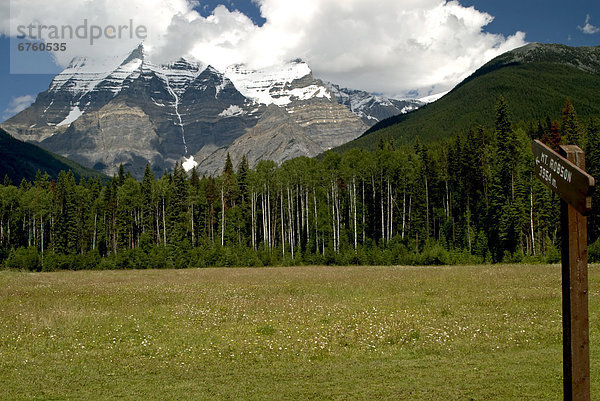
535, 80
372, 108
128, 110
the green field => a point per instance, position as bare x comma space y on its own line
441, 333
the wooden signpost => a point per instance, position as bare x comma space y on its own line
565, 174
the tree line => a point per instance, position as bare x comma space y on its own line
470, 199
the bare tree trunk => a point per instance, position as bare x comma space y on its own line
164, 223
26, 228
157, 226
8, 223
354, 210
388, 209
42, 234
316, 222
253, 219
337, 207
301, 206
512, 183
364, 234
409, 211
307, 205
469, 223
332, 217
269, 219
192, 220
211, 222
264, 217
427, 203
403, 211
222, 216
295, 207
531, 217
392, 201
417, 242
282, 222
383, 230
290, 220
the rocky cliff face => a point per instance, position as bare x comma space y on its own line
275, 137
129, 111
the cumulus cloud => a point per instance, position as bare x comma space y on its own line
390, 46
415, 47
17, 105
114, 18
588, 28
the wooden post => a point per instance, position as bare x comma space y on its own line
565, 174
576, 359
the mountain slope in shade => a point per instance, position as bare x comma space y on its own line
127, 110
20, 160
535, 80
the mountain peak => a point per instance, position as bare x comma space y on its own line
273, 84
137, 54
583, 58
131, 109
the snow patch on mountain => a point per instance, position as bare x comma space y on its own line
370, 107
73, 115
84, 74
232, 111
178, 75
271, 85
305, 93
189, 163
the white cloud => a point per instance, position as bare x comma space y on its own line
588, 28
388, 46
17, 105
153, 15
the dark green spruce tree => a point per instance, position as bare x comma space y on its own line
592, 163
66, 235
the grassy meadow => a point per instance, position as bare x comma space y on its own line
342, 333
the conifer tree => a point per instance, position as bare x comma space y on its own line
148, 208
65, 228
507, 144
592, 163
227, 195
177, 209
243, 215
553, 138
7, 181
570, 129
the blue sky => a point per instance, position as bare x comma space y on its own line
573, 23
545, 21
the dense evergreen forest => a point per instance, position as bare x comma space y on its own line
470, 199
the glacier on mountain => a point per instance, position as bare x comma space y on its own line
128, 110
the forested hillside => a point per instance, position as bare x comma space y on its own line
21, 160
534, 80
471, 198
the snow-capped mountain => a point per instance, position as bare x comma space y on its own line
274, 85
128, 110
369, 107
